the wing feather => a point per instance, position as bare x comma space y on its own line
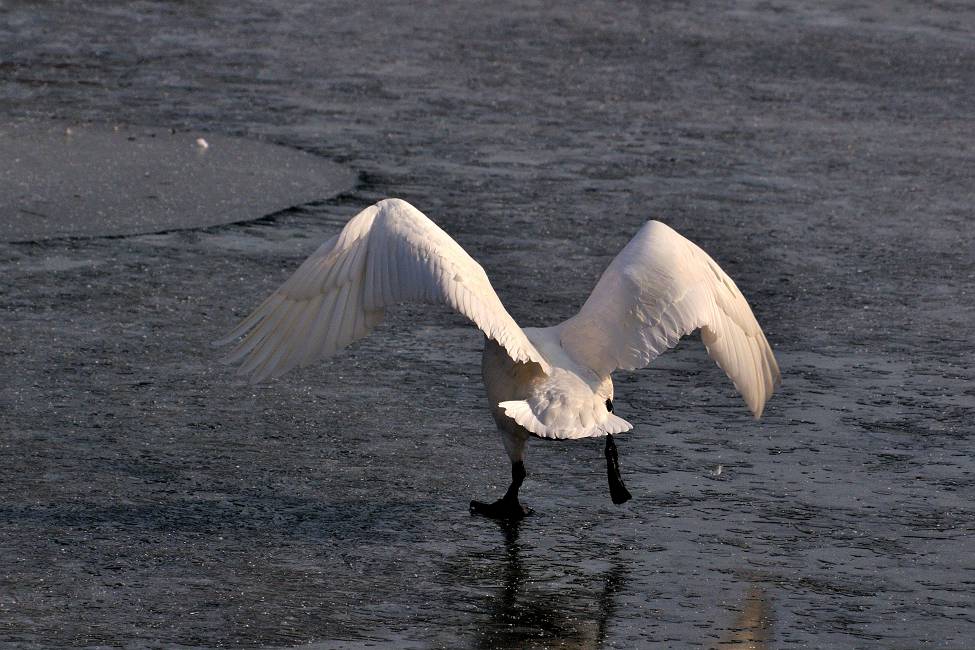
301, 334
262, 344
659, 288
387, 254
320, 337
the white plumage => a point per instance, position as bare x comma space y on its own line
552, 382
659, 288
387, 254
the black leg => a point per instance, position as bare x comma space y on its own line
617, 491
518, 475
507, 507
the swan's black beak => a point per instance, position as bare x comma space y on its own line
617, 490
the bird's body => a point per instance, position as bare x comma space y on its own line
551, 382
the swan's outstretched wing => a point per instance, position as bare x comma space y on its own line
387, 254
659, 288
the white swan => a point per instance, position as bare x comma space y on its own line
552, 382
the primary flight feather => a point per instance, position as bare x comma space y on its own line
551, 382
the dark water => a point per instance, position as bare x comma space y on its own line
822, 152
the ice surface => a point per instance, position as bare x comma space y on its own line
820, 151
90, 180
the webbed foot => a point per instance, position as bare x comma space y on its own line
509, 509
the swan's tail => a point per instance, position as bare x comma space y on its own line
564, 425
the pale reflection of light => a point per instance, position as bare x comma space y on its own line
752, 627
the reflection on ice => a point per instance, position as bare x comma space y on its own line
523, 615
753, 625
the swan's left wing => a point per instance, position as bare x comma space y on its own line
660, 287
387, 254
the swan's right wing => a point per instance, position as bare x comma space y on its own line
387, 254
660, 287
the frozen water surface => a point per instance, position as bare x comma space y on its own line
92, 181
821, 152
